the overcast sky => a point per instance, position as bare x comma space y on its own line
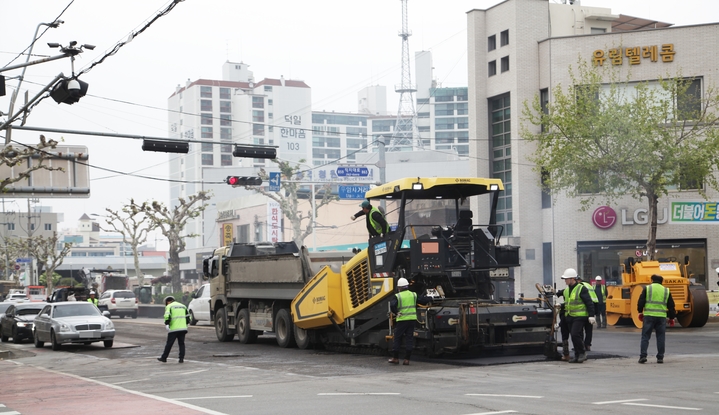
336, 47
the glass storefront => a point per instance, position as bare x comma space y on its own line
604, 258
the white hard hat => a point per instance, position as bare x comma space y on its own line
92, 292
598, 278
717, 270
569, 273
402, 282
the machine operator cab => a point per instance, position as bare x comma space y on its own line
438, 244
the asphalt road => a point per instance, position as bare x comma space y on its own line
231, 378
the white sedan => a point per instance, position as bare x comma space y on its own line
76, 322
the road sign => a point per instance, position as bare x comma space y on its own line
353, 192
17, 267
355, 171
274, 181
26, 260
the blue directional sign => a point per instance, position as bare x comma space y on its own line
274, 181
355, 171
353, 192
28, 260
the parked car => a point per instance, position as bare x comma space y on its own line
200, 305
16, 298
77, 322
17, 322
119, 303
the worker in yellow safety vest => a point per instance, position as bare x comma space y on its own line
404, 306
656, 308
579, 309
176, 320
600, 291
92, 298
376, 223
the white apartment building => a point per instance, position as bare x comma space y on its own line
520, 49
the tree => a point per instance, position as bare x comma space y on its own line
134, 227
171, 223
11, 249
603, 138
48, 256
288, 201
19, 160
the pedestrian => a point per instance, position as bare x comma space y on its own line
376, 223
563, 328
656, 308
176, 320
601, 292
589, 326
92, 298
404, 306
579, 309
186, 299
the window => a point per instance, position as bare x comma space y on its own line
243, 231
258, 129
270, 115
48, 226
206, 132
205, 105
259, 237
505, 64
225, 159
206, 119
492, 43
598, 30
225, 133
504, 38
225, 93
225, 106
462, 109
207, 159
689, 104
258, 102
207, 147
258, 116
268, 88
500, 119
546, 196
544, 102
269, 102
11, 226
206, 92
225, 119
444, 109
492, 68
226, 148
422, 115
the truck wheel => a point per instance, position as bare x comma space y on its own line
54, 342
302, 338
223, 334
284, 328
193, 320
244, 333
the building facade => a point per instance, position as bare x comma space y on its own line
521, 49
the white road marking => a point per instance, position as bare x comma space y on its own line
356, 393
214, 397
130, 381
196, 371
664, 406
492, 413
611, 402
11, 413
103, 377
504, 396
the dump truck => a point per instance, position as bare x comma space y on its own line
690, 300
344, 305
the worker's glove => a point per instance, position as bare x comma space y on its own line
641, 316
353, 217
592, 320
671, 322
167, 328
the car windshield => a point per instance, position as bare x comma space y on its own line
79, 309
124, 294
28, 311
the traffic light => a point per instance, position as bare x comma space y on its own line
235, 181
166, 146
69, 91
255, 152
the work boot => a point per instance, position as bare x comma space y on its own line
660, 361
394, 361
565, 358
159, 359
582, 357
576, 359
181, 360
642, 360
406, 362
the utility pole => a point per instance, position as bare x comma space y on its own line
382, 165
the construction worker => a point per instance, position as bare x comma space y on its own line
656, 308
563, 327
92, 299
579, 309
589, 326
404, 306
176, 320
376, 223
600, 291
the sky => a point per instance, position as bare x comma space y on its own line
336, 47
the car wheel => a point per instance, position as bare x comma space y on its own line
37, 342
107, 343
121, 315
3, 337
134, 315
15, 338
193, 320
53, 341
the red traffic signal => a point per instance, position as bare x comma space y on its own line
243, 181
